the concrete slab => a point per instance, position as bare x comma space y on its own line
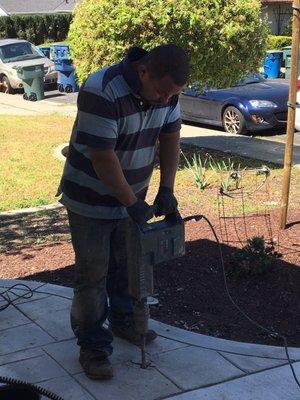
33, 369
22, 337
52, 314
61, 291
274, 384
11, 318
70, 387
251, 364
66, 354
20, 356
192, 367
130, 383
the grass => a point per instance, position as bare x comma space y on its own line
29, 173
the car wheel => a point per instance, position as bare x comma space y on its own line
32, 97
7, 86
234, 121
69, 89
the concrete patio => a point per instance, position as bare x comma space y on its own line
37, 345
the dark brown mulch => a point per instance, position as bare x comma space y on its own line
191, 290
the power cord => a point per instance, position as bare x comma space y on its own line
272, 333
6, 296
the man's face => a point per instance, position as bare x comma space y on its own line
157, 91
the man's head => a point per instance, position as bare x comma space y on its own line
163, 72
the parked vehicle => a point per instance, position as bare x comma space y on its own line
297, 117
15, 53
254, 104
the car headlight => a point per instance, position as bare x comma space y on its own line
262, 104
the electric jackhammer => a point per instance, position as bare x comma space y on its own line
147, 246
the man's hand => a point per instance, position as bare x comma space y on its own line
140, 212
165, 201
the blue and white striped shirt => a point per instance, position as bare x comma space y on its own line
112, 116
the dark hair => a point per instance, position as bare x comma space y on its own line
168, 59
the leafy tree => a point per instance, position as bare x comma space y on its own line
225, 38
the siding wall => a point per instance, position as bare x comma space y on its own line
279, 16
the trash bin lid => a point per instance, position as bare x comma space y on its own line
274, 51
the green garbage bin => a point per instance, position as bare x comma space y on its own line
287, 57
33, 81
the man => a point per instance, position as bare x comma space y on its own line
123, 112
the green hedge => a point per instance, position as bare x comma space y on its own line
224, 39
278, 42
36, 28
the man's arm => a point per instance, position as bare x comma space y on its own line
107, 167
169, 151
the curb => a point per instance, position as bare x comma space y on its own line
31, 210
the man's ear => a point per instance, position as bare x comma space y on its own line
142, 70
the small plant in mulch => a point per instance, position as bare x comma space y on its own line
256, 258
198, 169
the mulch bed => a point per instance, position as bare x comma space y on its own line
191, 289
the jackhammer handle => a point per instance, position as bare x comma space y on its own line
154, 208
172, 216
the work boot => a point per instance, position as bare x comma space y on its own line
95, 365
128, 333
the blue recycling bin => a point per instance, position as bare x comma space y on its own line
60, 52
66, 76
45, 50
272, 63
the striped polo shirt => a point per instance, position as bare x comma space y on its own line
111, 115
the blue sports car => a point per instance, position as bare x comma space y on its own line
254, 104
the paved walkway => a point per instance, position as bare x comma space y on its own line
269, 149
15, 105
37, 345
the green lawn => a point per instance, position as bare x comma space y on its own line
29, 173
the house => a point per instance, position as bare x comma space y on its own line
19, 7
279, 14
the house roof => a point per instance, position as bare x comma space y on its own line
37, 6
277, 1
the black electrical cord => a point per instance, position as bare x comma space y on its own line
7, 293
6, 297
272, 333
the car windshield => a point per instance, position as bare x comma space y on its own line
251, 78
19, 51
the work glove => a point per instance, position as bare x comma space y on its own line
165, 201
140, 212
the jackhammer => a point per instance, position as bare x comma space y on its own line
147, 246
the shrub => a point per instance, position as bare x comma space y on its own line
278, 42
225, 39
256, 258
36, 28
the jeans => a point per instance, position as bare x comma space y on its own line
100, 273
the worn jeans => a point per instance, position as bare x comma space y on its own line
100, 273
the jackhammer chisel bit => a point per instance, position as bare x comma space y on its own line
141, 317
